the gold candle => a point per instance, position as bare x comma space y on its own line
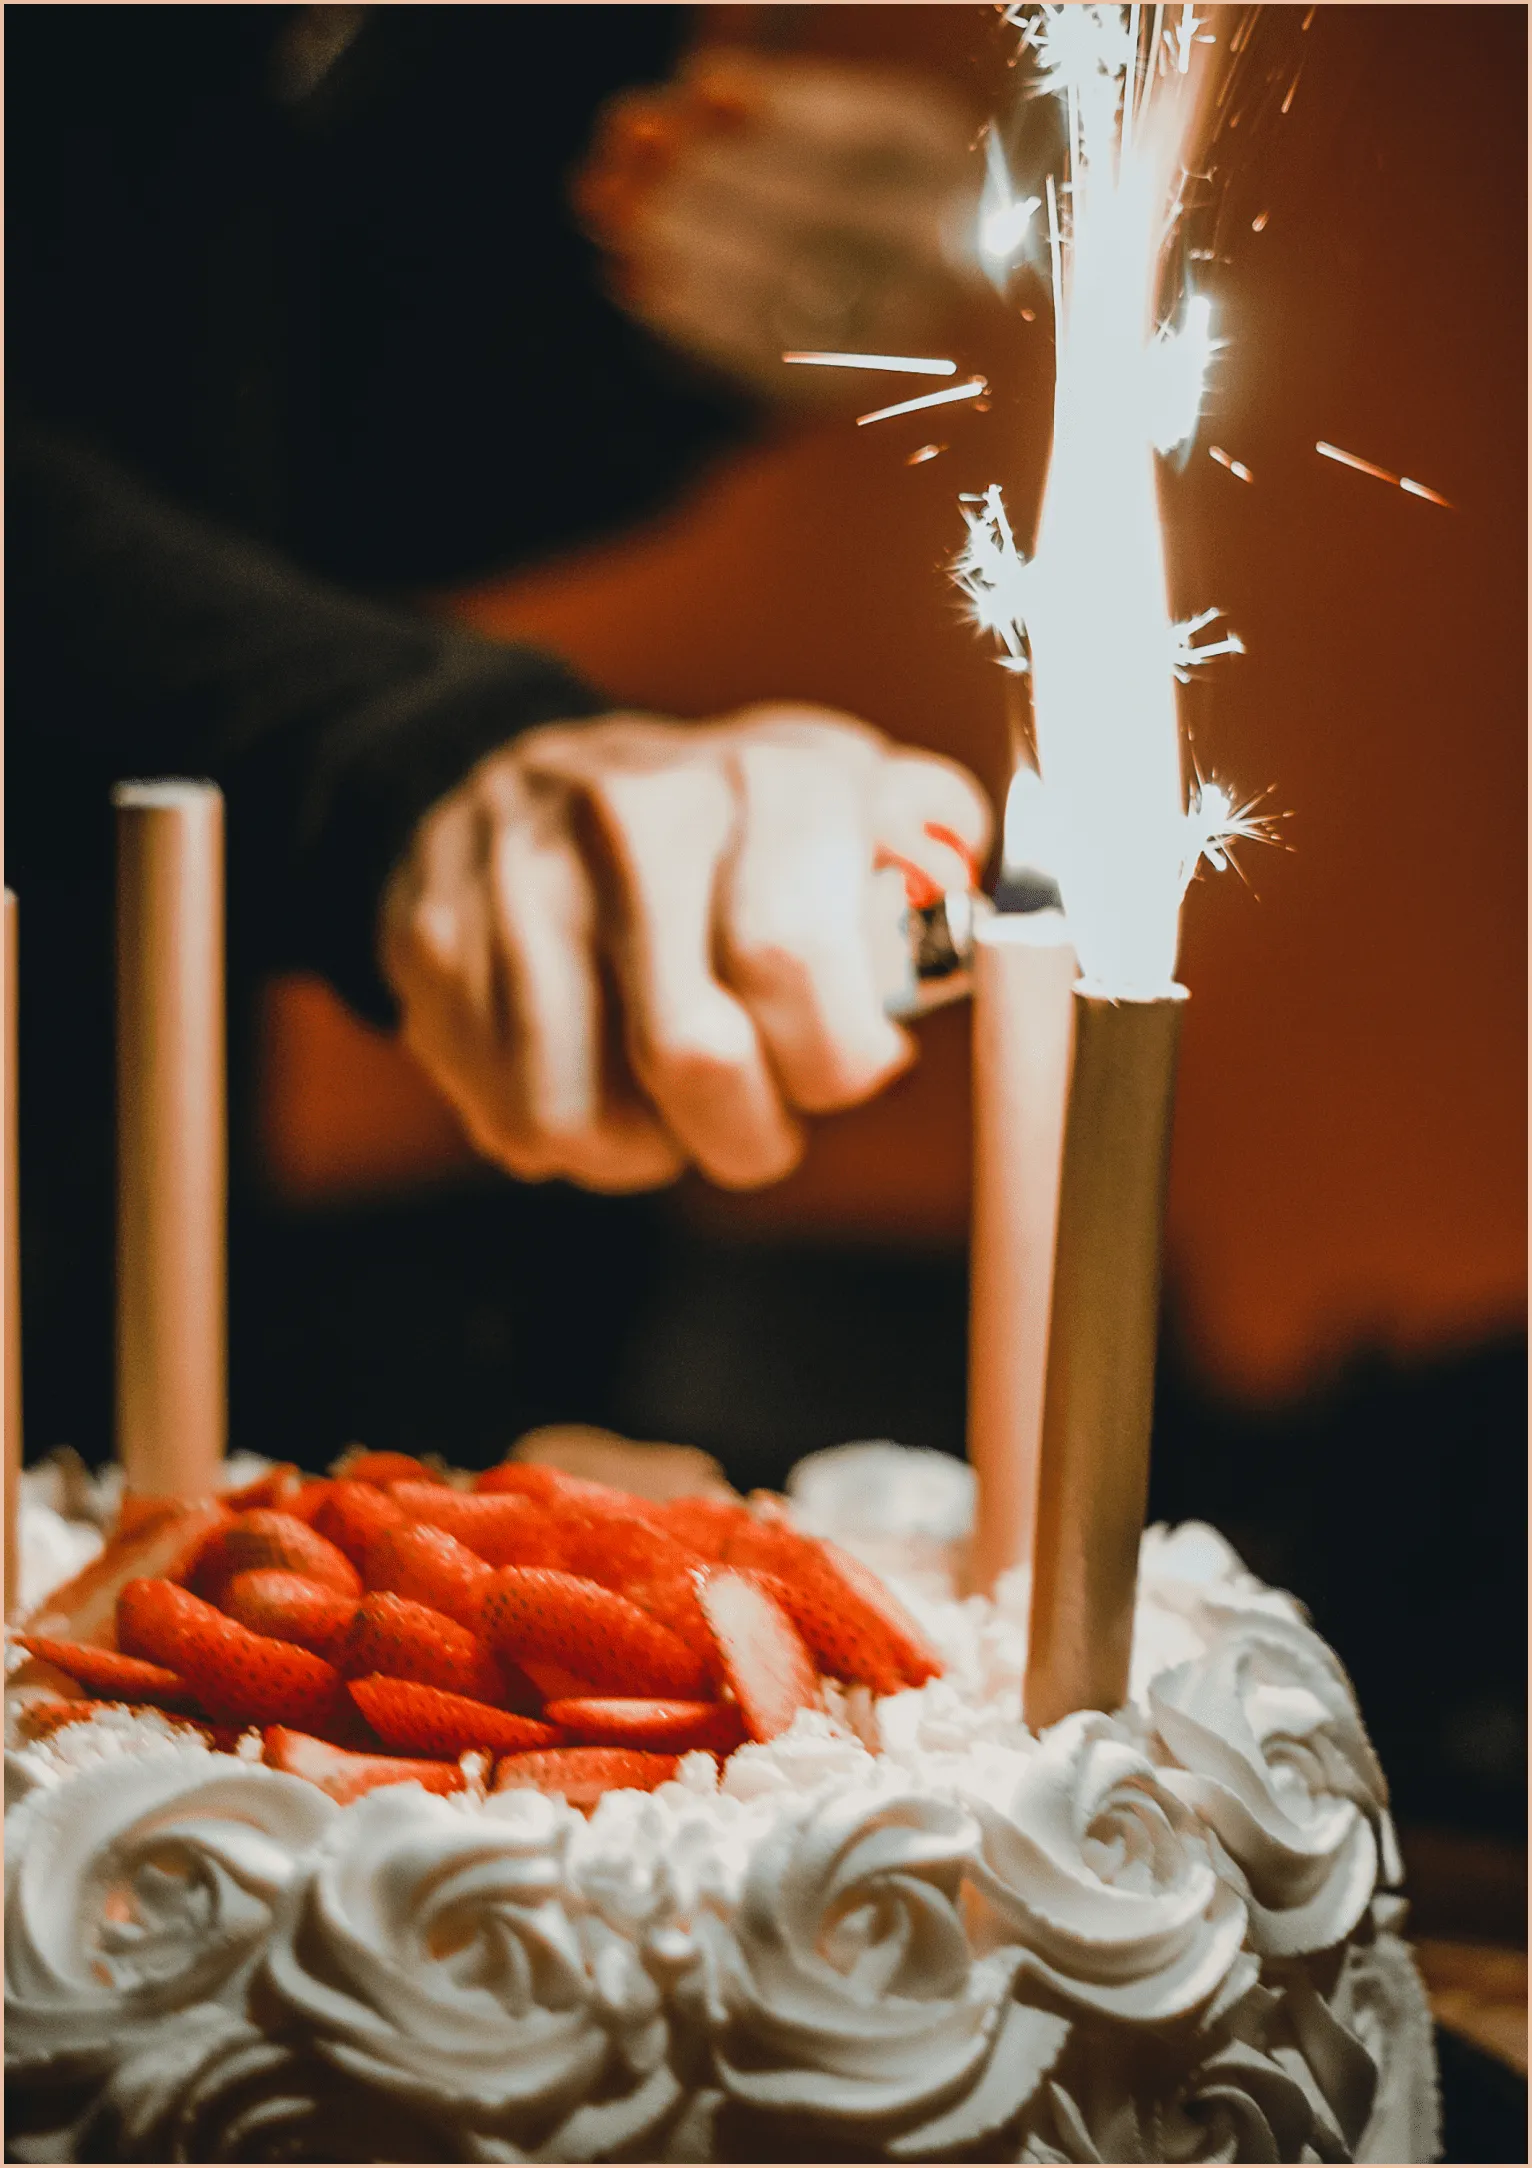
1098, 1410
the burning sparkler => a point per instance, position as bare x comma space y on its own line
1087, 617
1072, 1147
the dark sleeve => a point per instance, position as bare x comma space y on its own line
144, 641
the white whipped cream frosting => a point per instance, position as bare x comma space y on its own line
845, 1986
912, 1925
1271, 1755
1105, 1880
432, 1955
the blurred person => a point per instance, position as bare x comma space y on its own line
313, 309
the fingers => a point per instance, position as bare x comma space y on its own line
793, 941
488, 942
566, 1117
935, 813
663, 827
625, 946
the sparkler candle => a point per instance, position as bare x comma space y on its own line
171, 1138
12, 1270
1087, 621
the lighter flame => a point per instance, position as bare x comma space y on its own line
1088, 614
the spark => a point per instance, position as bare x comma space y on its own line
1004, 217
1258, 223
1236, 467
973, 389
1292, 91
1381, 474
1178, 374
909, 364
1086, 613
992, 573
1184, 658
927, 451
1215, 823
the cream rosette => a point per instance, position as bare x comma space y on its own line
223, 2089
138, 1891
431, 1955
1273, 1757
844, 1987
1237, 2105
1105, 1880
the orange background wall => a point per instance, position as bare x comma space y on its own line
1350, 1147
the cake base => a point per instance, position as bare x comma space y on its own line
903, 1930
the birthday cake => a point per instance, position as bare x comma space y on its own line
748, 1857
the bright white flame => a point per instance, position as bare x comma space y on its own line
1088, 612
1003, 216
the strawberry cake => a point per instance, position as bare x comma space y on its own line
397, 1815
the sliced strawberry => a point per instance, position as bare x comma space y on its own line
164, 1544
678, 1726
266, 1538
278, 1487
503, 1530
705, 1524
764, 1659
432, 1567
236, 1675
351, 1514
619, 1552
305, 1502
105, 1671
548, 1617
672, 1599
583, 1773
290, 1607
346, 1776
426, 1720
913, 1652
842, 1643
408, 1640
852, 1625
551, 1681
567, 1494
359, 1466
528, 1477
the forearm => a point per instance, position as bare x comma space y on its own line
144, 640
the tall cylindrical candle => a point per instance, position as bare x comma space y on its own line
172, 1148
12, 1210
1094, 1480
1023, 970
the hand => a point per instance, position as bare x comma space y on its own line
761, 204
626, 946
